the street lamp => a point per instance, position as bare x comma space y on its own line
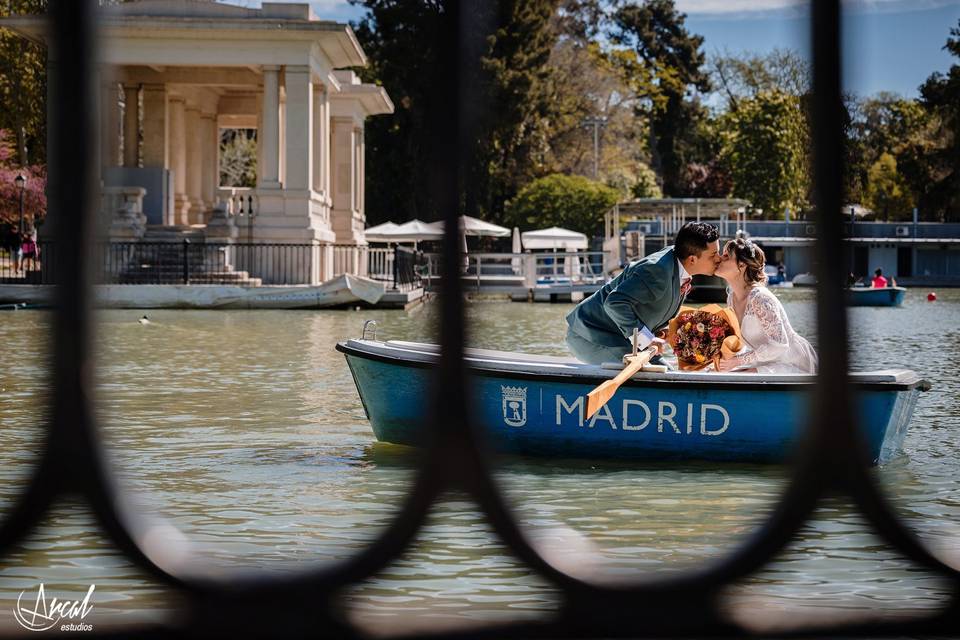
21, 182
596, 122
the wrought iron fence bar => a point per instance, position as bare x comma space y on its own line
455, 458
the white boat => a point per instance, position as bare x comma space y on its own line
804, 280
344, 290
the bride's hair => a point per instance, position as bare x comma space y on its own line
749, 254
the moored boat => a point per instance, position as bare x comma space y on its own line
875, 296
535, 405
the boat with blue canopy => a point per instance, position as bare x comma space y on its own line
875, 296
536, 405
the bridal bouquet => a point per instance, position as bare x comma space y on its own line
700, 337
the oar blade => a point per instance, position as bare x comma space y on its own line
599, 397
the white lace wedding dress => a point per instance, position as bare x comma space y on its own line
772, 346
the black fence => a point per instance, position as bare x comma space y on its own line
689, 605
201, 262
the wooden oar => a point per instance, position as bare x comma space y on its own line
599, 396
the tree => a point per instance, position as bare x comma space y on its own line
398, 38
742, 76
888, 123
238, 157
571, 202
764, 146
23, 88
665, 67
511, 127
940, 94
34, 200
514, 124
886, 193
646, 184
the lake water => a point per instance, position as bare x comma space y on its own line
243, 432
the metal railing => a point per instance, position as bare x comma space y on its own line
73, 461
243, 264
524, 269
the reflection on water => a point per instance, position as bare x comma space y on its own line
244, 430
24, 378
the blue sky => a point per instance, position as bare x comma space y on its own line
891, 45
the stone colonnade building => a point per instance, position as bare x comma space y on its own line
176, 72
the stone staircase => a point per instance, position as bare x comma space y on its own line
158, 258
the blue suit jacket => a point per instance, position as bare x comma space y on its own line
645, 294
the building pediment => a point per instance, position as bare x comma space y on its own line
180, 9
196, 33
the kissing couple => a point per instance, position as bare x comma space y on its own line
648, 293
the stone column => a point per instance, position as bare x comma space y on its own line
299, 129
321, 135
282, 147
346, 165
194, 144
342, 164
155, 126
131, 125
361, 170
210, 142
269, 140
110, 125
178, 161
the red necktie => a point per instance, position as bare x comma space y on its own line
685, 288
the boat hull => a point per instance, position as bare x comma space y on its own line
875, 297
653, 416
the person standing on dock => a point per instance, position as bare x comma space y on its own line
645, 296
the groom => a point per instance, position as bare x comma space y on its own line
645, 296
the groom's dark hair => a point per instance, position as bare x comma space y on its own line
693, 238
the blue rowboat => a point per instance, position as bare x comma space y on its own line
875, 297
535, 405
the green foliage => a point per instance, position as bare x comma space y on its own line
23, 87
764, 146
398, 38
512, 126
940, 95
745, 75
665, 66
889, 124
887, 194
586, 86
571, 202
646, 185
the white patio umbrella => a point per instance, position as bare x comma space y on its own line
463, 248
413, 231
558, 239
516, 248
555, 238
385, 232
417, 230
477, 227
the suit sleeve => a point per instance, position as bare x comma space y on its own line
633, 304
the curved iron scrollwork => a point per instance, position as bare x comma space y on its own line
831, 461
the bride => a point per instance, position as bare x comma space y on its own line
772, 346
